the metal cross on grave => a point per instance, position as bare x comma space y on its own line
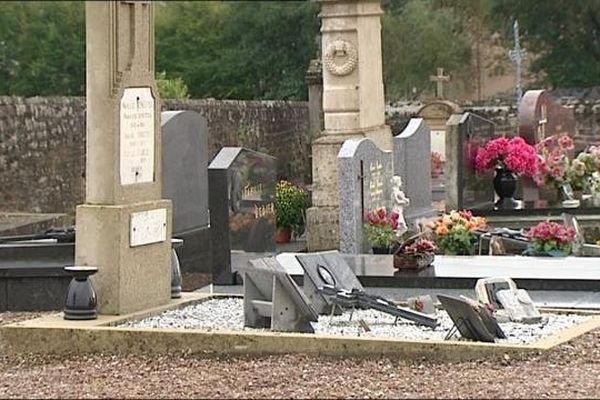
517, 55
542, 123
138, 29
440, 78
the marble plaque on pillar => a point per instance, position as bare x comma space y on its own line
412, 162
136, 128
365, 173
242, 186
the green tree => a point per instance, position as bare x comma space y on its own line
42, 48
418, 38
171, 88
240, 50
564, 36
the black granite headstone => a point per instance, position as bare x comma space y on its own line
475, 190
242, 211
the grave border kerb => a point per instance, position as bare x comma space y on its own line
53, 335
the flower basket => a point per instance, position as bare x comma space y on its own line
414, 254
414, 262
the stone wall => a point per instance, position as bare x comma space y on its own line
585, 102
42, 144
42, 140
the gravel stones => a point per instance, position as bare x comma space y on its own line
227, 314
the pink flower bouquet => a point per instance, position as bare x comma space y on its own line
551, 238
511, 154
554, 163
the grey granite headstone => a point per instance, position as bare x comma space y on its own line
316, 268
412, 162
273, 300
464, 187
365, 174
185, 182
242, 212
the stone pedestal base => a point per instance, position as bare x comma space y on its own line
323, 228
129, 278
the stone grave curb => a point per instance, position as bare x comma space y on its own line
54, 335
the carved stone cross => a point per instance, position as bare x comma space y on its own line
440, 78
138, 35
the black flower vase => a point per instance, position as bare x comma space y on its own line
81, 299
505, 185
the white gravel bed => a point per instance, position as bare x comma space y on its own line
227, 314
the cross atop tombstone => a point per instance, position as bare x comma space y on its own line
440, 78
137, 33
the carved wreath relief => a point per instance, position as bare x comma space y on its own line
340, 57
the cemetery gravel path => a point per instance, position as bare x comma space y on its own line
571, 371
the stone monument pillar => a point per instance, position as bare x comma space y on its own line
353, 104
124, 227
314, 82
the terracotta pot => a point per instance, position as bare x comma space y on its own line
284, 234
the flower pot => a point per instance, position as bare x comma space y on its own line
284, 234
381, 250
505, 185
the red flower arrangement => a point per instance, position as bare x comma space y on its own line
512, 154
548, 237
381, 227
420, 246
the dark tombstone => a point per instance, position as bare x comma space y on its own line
540, 117
326, 268
473, 321
273, 300
185, 182
242, 211
365, 173
464, 187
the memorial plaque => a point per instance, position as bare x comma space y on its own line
326, 268
137, 136
365, 173
148, 227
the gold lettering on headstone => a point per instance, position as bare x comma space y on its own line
264, 211
376, 184
252, 191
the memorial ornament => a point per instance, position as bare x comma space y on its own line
340, 57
